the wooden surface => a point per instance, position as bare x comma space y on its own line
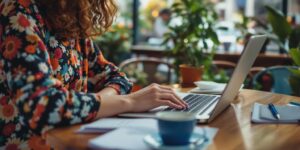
263, 60
235, 128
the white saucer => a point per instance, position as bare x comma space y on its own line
207, 85
155, 142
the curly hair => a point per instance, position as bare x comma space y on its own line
78, 18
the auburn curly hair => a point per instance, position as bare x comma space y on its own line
78, 18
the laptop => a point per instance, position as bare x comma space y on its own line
207, 107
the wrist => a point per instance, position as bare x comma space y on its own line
127, 103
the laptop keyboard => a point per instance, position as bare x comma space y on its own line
195, 102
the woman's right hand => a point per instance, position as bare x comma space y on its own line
153, 96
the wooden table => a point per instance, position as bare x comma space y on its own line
235, 128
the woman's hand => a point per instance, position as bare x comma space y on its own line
143, 100
153, 96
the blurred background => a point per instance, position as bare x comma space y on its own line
139, 41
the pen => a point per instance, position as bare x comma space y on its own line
294, 103
274, 111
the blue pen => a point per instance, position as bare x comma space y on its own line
294, 103
274, 111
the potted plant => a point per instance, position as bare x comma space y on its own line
191, 38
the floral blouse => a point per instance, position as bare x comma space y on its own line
44, 82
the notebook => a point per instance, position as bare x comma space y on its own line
288, 114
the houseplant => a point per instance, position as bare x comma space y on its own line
280, 30
277, 27
191, 38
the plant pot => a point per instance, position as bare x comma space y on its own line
190, 74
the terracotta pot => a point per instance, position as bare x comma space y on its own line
190, 74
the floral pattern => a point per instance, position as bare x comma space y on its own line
46, 82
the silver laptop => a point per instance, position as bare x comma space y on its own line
207, 107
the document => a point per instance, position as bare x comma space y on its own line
107, 124
131, 138
123, 138
288, 114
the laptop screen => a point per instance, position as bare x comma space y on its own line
245, 63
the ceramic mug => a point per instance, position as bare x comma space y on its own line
175, 128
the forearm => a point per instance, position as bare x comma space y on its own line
112, 105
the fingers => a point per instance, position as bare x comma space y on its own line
166, 94
169, 103
172, 91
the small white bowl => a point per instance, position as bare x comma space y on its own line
205, 85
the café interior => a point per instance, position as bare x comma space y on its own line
146, 51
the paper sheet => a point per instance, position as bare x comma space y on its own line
107, 124
131, 138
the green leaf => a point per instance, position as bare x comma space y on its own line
176, 5
279, 23
213, 36
294, 40
295, 72
295, 54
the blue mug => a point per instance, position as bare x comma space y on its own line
176, 128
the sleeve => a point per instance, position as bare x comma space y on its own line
41, 99
105, 74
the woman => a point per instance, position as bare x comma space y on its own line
52, 75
